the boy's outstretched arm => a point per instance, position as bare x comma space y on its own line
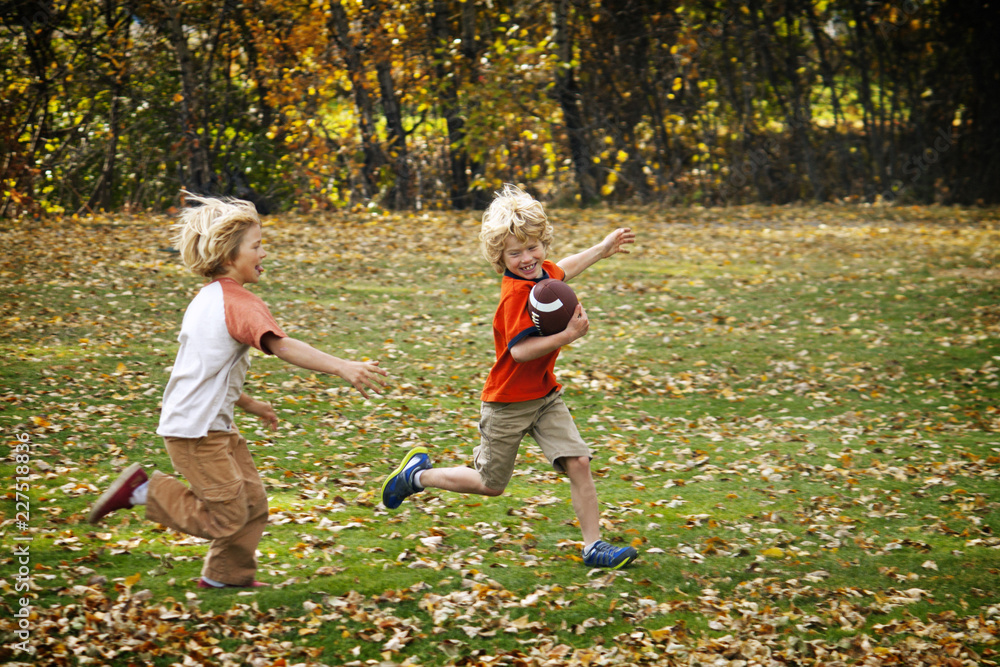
361, 374
612, 244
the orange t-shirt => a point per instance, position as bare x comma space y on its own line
510, 381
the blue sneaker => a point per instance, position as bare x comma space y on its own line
603, 554
400, 484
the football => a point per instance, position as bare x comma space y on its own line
551, 304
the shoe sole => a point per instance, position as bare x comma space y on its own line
115, 487
627, 561
406, 459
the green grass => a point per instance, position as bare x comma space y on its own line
794, 411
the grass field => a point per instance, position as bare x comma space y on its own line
795, 414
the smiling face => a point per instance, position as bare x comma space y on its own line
524, 258
246, 267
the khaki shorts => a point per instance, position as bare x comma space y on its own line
502, 426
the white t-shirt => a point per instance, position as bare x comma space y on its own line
220, 325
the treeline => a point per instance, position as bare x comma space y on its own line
110, 104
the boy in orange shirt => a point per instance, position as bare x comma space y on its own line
521, 395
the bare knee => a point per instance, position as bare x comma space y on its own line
493, 493
576, 465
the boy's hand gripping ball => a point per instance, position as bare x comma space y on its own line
551, 305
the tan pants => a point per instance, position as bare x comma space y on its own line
502, 427
226, 502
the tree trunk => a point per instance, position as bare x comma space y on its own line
826, 69
200, 177
458, 156
266, 114
103, 193
340, 28
863, 67
796, 110
471, 50
402, 194
37, 22
567, 95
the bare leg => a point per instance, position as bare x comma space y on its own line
584, 495
460, 479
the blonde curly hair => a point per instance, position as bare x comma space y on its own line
210, 235
512, 211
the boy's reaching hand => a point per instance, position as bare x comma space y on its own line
613, 243
361, 374
365, 374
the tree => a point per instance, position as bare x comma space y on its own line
568, 94
437, 103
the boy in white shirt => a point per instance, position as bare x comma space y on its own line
226, 501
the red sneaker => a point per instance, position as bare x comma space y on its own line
256, 584
119, 493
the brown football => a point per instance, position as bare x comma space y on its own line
551, 304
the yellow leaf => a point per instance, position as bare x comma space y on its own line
133, 580
774, 552
41, 422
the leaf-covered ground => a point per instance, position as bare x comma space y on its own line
796, 415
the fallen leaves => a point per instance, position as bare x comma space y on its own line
794, 413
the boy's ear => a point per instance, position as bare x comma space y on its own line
223, 266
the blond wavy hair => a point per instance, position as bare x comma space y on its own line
209, 235
512, 211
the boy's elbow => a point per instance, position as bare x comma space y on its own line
520, 353
276, 345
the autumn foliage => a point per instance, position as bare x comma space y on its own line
333, 104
